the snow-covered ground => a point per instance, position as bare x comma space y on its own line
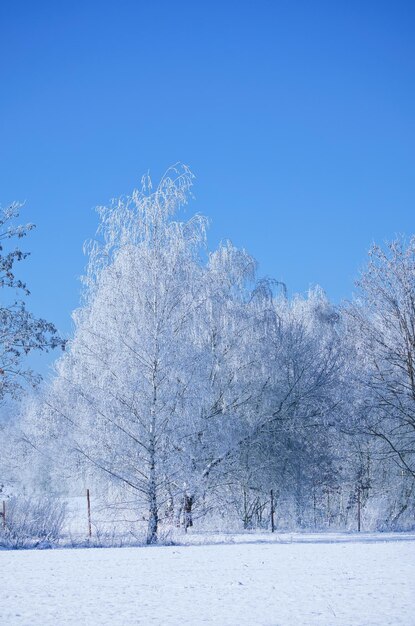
298, 580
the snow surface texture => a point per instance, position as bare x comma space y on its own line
325, 582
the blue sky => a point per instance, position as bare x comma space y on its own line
296, 117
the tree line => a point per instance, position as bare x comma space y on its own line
197, 387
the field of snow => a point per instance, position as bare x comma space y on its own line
275, 581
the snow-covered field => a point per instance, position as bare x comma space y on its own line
282, 580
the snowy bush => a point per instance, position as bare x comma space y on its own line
32, 522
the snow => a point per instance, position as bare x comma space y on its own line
299, 580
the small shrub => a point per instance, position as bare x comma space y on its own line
32, 522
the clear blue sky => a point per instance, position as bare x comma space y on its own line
298, 119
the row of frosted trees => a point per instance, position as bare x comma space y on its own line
197, 388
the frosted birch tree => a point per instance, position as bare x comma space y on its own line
289, 381
230, 380
20, 332
382, 322
125, 382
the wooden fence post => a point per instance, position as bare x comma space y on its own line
3, 514
359, 513
88, 500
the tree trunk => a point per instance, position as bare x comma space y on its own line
152, 497
153, 518
187, 506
